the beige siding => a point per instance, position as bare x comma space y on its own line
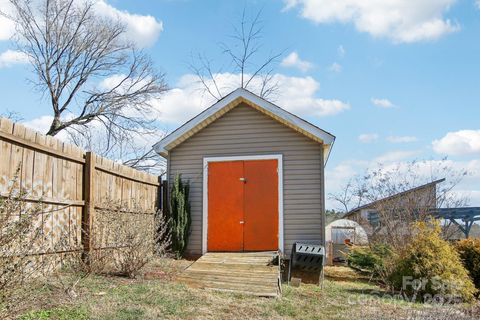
246, 131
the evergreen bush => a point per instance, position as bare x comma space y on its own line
430, 268
469, 251
369, 258
180, 215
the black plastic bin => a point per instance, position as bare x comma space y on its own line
308, 257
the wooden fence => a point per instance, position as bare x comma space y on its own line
71, 185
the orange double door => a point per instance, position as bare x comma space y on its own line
243, 205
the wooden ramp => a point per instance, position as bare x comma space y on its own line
242, 272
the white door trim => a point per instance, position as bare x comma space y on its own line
207, 160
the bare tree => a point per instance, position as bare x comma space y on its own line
93, 76
351, 196
392, 195
244, 49
132, 148
11, 115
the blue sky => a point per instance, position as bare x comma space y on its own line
392, 80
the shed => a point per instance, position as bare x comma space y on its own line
256, 175
423, 196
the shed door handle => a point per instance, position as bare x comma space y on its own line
242, 222
243, 179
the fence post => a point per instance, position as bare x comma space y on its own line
89, 207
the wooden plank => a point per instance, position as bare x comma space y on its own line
89, 208
243, 258
235, 288
38, 147
16, 154
234, 282
38, 168
55, 171
47, 200
28, 163
6, 126
248, 273
237, 282
48, 169
124, 173
68, 176
235, 275
79, 180
78, 226
54, 175
226, 268
234, 261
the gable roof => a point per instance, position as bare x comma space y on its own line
371, 204
229, 102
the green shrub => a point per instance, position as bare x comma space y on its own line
371, 258
469, 251
180, 215
429, 267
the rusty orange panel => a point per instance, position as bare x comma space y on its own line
225, 206
261, 205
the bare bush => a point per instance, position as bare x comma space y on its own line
126, 239
21, 240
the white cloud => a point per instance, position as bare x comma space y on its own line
111, 82
293, 60
478, 4
461, 142
40, 124
335, 67
341, 51
10, 57
395, 156
144, 30
298, 95
336, 178
401, 139
7, 27
368, 137
182, 102
382, 103
398, 20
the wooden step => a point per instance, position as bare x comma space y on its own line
249, 273
260, 290
241, 275
226, 278
236, 267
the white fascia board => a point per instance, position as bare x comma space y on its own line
162, 146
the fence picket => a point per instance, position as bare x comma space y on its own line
68, 183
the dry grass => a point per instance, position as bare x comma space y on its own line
161, 297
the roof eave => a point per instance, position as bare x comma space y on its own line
230, 101
368, 205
